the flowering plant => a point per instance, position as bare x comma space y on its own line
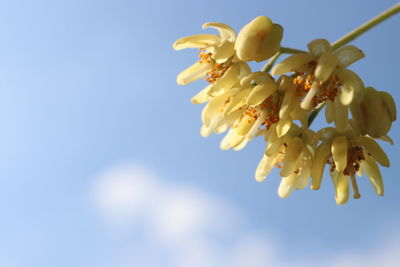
280, 103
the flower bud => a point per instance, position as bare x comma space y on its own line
374, 113
258, 40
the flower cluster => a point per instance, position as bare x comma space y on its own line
248, 104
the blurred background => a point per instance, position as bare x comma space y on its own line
102, 163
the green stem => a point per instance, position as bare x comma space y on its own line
271, 62
366, 26
288, 50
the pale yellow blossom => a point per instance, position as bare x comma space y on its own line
348, 154
293, 153
323, 76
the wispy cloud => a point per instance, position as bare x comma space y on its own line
183, 226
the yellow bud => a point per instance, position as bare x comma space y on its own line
258, 40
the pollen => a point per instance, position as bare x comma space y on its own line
303, 83
272, 105
354, 157
204, 56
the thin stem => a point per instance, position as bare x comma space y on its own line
271, 62
366, 26
288, 50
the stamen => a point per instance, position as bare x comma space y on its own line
356, 194
272, 105
354, 157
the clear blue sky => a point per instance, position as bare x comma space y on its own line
90, 85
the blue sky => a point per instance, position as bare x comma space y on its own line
88, 95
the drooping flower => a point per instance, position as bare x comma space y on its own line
259, 40
322, 76
216, 53
265, 104
348, 154
374, 112
293, 153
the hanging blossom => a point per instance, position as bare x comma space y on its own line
247, 104
322, 76
348, 154
293, 154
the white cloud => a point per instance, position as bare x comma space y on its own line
183, 226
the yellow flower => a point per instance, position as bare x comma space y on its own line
322, 75
374, 112
293, 153
263, 104
348, 154
216, 53
258, 40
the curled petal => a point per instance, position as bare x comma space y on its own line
226, 32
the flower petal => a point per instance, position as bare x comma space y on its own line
292, 63
329, 111
341, 116
226, 32
339, 152
342, 187
202, 96
327, 63
283, 126
196, 41
322, 155
319, 46
271, 43
390, 104
375, 149
294, 147
260, 93
193, 73
223, 52
251, 36
371, 169
349, 54
264, 167
287, 185
307, 101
